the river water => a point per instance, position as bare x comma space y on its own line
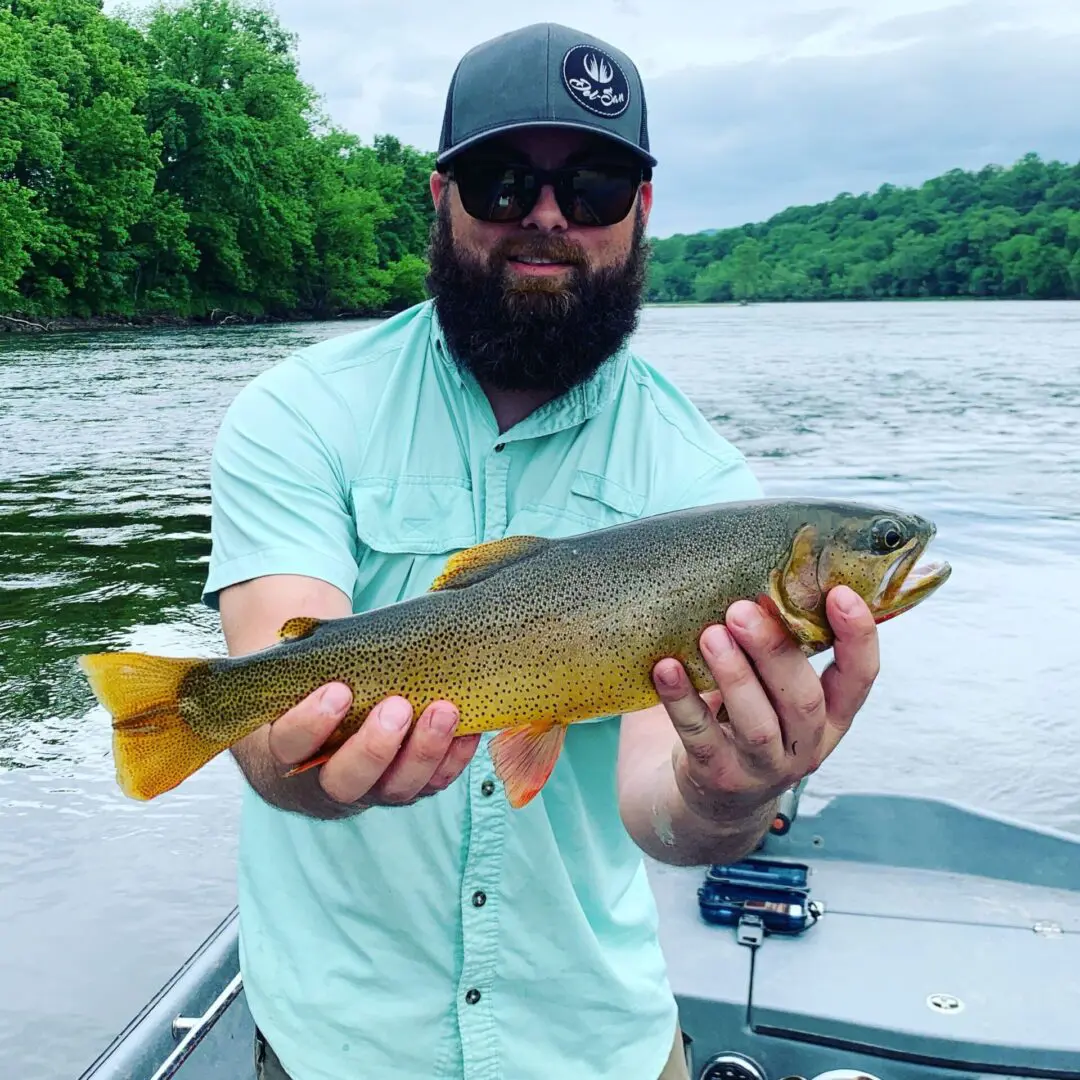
966, 412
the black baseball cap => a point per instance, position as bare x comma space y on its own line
544, 75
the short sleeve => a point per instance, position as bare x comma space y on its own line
279, 496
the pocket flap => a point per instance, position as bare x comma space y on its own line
422, 515
594, 486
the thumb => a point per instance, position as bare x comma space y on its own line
847, 681
296, 735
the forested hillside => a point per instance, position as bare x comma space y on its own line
1012, 232
177, 164
172, 163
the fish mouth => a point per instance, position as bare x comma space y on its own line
905, 584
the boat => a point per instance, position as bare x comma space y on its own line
869, 937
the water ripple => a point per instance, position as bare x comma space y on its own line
963, 412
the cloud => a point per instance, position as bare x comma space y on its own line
752, 107
739, 142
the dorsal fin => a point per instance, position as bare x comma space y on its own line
482, 560
300, 627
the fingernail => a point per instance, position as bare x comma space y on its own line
717, 641
745, 617
848, 603
395, 714
668, 674
444, 720
335, 698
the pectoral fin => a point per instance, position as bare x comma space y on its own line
524, 757
482, 560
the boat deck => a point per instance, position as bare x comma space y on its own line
948, 945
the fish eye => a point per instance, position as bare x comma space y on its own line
888, 535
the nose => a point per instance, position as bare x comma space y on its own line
546, 214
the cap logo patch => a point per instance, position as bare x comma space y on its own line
595, 81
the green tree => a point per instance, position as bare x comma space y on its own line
235, 123
78, 150
995, 232
746, 269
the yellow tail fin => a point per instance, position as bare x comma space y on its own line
154, 748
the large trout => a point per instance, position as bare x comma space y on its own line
526, 635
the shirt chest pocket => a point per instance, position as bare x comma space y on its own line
593, 502
407, 528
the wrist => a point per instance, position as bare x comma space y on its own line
304, 794
694, 829
299, 794
731, 810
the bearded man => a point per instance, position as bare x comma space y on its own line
397, 918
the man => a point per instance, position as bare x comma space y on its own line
398, 918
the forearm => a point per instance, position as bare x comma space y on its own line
663, 823
300, 794
251, 614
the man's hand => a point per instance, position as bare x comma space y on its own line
703, 788
779, 721
382, 764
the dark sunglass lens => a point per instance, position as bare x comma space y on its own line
492, 192
600, 196
589, 195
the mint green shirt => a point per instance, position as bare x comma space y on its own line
457, 937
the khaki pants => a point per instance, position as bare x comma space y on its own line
267, 1066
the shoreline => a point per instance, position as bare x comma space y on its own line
33, 324
40, 324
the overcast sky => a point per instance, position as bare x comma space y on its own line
754, 105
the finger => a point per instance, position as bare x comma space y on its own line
754, 724
713, 699
856, 660
690, 715
299, 733
462, 748
785, 674
424, 750
354, 769
790, 680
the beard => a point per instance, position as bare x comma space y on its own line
533, 333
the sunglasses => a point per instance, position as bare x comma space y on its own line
591, 195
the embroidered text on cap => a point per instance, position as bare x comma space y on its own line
595, 81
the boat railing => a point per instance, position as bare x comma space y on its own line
180, 1016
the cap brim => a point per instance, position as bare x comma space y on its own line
452, 151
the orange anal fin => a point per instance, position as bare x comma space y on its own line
334, 742
524, 757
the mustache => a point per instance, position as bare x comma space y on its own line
554, 248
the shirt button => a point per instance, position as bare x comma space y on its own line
479, 898
473, 996
487, 787
500, 447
